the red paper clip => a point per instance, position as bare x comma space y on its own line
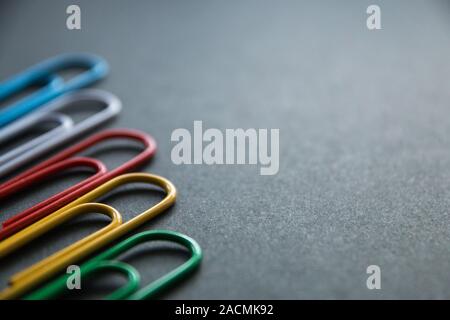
62, 161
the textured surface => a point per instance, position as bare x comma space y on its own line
364, 147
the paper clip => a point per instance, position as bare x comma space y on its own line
63, 122
34, 175
66, 131
130, 291
36, 274
44, 72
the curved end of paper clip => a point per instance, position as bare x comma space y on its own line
97, 68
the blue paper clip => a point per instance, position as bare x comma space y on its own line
44, 73
63, 133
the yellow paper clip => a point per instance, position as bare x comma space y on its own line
27, 279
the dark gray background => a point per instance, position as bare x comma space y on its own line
364, 148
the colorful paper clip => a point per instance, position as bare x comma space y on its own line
35, 275
63, 133
65, 160
54, 86
130, 291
